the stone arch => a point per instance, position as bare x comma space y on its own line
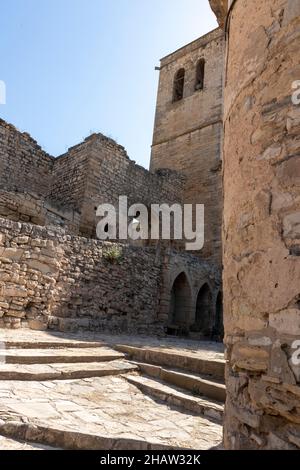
178, 86
200, 72
204, 312
180, 303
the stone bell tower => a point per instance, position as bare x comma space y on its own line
188, 127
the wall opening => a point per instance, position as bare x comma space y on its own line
219, 324
203, 317
178, 86
200, 70
180, 305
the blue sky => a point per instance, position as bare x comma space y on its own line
73, 67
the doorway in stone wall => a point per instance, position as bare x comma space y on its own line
180, 303
203, 314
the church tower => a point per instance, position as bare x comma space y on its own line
188, 127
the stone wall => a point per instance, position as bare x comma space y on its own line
69, 177
188, 133
69, 188
203, 179
112, 174
261, 226
28, 207
50, 279
65, 282
24, 166
41, 189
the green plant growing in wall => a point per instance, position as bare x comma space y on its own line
113, 254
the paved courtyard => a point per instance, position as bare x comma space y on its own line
101, 407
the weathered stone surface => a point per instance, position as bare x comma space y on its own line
276, 442
66, 355
64, 371
249, 357
44, 268
286, 322
219, 8
177, 397
39, 324
279, 366
97, 407
11, 253
211, 363
13, 291
261, 224
291, 225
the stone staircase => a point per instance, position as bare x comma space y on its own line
50, 361
75, 394
192, 383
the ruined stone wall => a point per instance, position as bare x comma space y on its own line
24, 166
262, 226
110, 174
65, 282
188, 133
67, 190
69, 176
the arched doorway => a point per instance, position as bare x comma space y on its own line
203, 317
219, 325
180, 303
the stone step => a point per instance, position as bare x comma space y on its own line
194, 383
175, 396
185, 360
40, 372
51, 344
67, 439
64, 355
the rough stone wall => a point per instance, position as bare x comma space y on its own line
24, 166
188, 133
41, 189
48, 278
28, 207
262, 226
69, 176
113, 174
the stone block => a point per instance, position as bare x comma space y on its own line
249, 357
286, 322
13, 291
